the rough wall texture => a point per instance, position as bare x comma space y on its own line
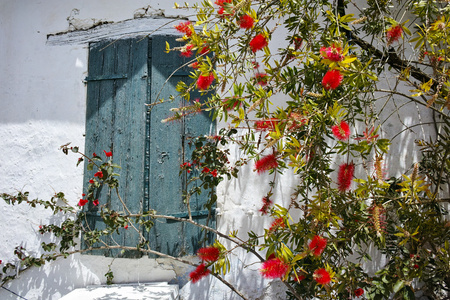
43, 107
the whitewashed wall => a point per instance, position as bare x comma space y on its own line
43, 107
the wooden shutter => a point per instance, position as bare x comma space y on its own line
168, 149
123, 77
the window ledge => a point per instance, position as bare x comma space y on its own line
134, 291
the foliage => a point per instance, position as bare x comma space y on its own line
338, 73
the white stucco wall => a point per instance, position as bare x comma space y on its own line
43, 106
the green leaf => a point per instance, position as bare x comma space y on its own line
398, 286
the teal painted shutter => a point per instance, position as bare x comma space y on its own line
116, 114
168, 149
123, 77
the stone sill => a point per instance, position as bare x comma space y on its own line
132, 291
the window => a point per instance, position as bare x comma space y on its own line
122, 77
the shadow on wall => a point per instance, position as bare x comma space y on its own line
50, 281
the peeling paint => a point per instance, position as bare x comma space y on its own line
83, 24
148, 11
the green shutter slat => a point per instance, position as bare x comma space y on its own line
106, 77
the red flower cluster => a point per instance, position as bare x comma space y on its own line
204, 50
194, 65
184, 28
332, 53
341, 131
279, 222
108, 154
261, 79
207, 170
246, 22
394, 33
82, 202
274, 268
99, 174
332, 79
321, 276
210, 253
299, 278
258, 42
187, 51
221, 3
345, 176
95, 202
298, 42
266, 124
317, 245
266, 204
203, 82
266, 163
359, 292
200, 272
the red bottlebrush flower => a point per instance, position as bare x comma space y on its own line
332, 53
332, 79
416, 266
94, 155
187, 51
91, 181
317, 245
266, 205
204, 82
108, 154
222, 2
266, 124
368, 136
95, 202
394, 33
261, 79
298, 42
214, 173
274, 268
299, 278
341, 131
99, 174
266, 163
246, 22
359, 292
126, 226
82, 202
204, 50
279, 222
199, 273
321, 276
258, 42
345, 176
194, 65
210, 253
205, 170
184, 28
